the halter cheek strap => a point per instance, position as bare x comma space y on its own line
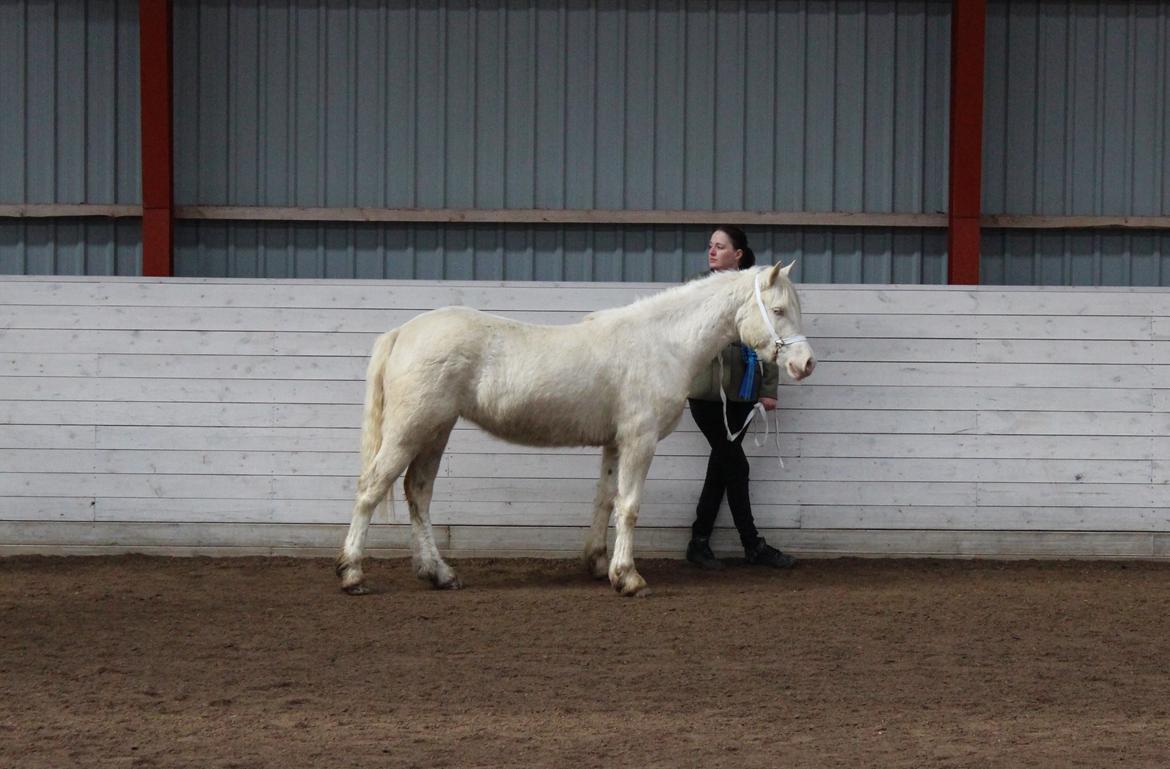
780, 341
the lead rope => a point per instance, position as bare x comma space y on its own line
757, 408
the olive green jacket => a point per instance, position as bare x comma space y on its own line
705, 386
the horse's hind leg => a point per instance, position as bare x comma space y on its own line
595, 559
420, 486
373, 486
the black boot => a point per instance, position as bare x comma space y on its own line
763, 554
699, 553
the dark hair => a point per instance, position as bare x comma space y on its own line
739, 243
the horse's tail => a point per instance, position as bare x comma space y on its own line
375, 400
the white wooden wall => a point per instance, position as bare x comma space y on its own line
220, 417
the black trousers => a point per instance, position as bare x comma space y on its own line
727, 471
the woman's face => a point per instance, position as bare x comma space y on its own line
721, 255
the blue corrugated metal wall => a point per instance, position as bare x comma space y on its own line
791, 106
602, 253
632, 105
69, 114
1076, 123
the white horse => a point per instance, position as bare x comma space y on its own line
618, 380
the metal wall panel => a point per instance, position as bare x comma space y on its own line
1076, 258
70, 247
569, 253
817, 106
1076, 103
69, 107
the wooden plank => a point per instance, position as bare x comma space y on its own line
997, 374
227, 438
365, 323
484, 540
837, 349
151, 342
346, 441
1028, 222
1093, 448
159, 535
67, 210
47, 508
1072, 423
815, 469
985, 518
47, 436
295, 511
401, 295
489, 489
809, 396
812, 395
545, 466
564, 297
562, 541
555, 216
1144, 495
1046, 327
581, 216
361, 322
181, 390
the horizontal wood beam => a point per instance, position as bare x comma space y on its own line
1011, 221
559, 216
580, 216
64, 211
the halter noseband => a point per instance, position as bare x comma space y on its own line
780, 341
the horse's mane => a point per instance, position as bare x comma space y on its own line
684, 298
672, 298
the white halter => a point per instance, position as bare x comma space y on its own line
781, 343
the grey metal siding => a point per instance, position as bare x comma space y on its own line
70, 247
1076, 258
570, 253
1076, 108
69, 105
1076, 123
790, 106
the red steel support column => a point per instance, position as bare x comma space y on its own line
154, 34
968, 25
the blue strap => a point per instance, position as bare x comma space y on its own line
748, 386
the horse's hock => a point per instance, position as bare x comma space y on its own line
222, 416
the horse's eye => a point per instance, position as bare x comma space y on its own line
779, 311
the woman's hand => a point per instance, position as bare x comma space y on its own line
768, 403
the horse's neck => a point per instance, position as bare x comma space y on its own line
694, 322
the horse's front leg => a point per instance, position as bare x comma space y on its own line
595, 559
633, 463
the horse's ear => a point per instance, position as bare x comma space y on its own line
776, 271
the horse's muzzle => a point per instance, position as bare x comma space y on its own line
800, 368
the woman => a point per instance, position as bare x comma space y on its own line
727, 468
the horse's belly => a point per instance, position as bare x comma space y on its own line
543, 424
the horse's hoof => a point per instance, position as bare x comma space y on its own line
451, 584
630, 584
358, 589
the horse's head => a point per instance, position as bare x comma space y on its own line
769, 322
